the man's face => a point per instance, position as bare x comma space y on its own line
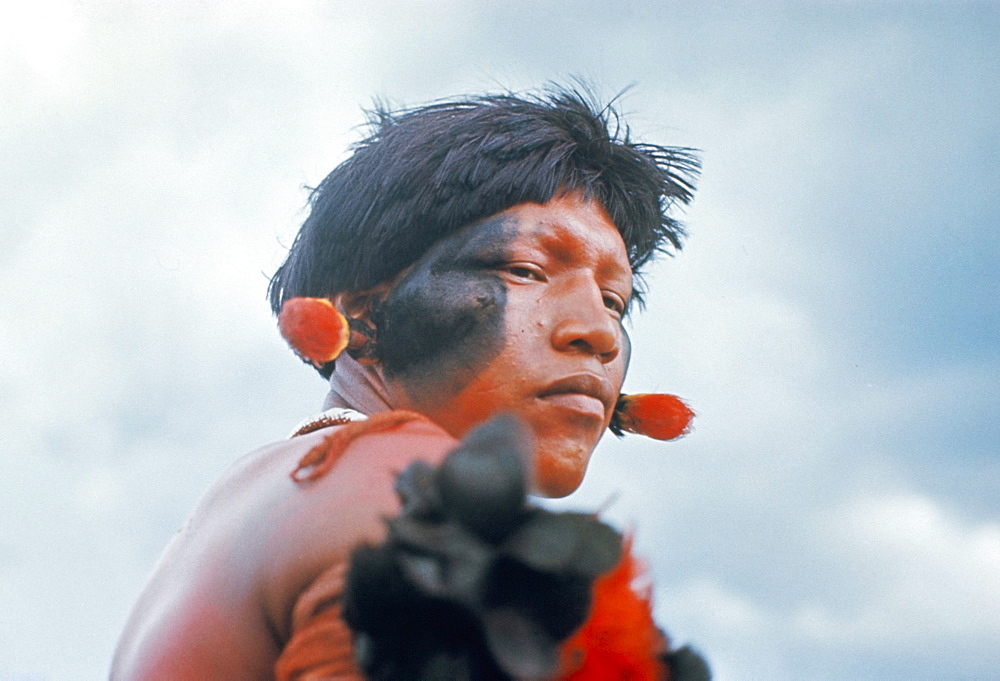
518, 313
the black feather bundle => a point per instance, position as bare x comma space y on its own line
473, 582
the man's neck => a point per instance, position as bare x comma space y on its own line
357, 386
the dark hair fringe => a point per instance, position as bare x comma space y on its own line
425, 172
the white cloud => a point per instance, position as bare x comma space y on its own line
921, 574
713, 606
40, 36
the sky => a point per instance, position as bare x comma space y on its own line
833, 317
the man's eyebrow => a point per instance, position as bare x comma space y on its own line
566, 245
615, 267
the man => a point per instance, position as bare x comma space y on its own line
485, 252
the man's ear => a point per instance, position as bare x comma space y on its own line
357, 306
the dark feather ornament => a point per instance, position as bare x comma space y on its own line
472, 580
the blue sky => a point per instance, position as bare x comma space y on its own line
833, 317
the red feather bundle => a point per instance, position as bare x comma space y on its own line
661, 417
314, 328
619, 640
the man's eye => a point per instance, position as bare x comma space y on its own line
524, 271
615, 304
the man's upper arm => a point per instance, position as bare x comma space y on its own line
319, 523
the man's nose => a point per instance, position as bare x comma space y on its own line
585, 323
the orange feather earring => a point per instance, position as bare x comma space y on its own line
661, 417
314, 329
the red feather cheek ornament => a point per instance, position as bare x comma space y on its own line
314, 329
661, 417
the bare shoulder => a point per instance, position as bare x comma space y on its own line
229, 580
320, 521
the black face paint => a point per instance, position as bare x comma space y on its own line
444, 321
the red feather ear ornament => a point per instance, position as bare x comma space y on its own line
314, 329
661, 417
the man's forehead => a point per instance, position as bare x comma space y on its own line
584, 234
605, 247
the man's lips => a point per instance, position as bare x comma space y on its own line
580, 391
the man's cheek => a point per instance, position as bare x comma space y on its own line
437, 328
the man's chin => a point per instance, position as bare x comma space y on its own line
560, 475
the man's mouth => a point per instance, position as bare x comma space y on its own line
585, 393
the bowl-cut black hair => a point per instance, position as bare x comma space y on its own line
423, 173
